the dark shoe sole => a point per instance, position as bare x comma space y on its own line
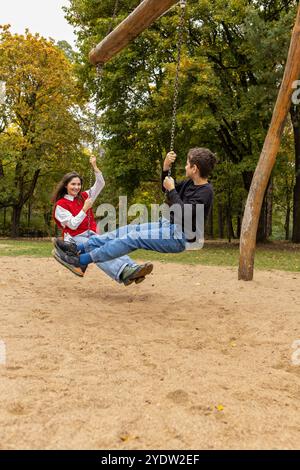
140, 276
73, 269
145, 271
138, 280
60, 250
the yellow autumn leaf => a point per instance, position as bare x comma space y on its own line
127, 437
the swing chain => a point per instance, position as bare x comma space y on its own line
99, 75
99, 72
183, 5
114, 16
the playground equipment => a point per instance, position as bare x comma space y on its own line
139, 20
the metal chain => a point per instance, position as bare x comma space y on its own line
110, 28
99, 71
176, 84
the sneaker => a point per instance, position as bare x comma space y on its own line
61, 255
136, 274
138, 280
67, 247
70, 262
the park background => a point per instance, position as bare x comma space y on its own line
232, 64
191, 358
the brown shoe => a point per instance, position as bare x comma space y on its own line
136, 274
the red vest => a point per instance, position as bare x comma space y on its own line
75, 207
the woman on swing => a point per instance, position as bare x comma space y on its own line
166, 236
74, 216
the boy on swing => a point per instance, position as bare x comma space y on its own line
166, 236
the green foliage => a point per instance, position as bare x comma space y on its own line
41, 132
283, 183
228, 86
232, 64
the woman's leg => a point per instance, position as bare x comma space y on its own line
113, 268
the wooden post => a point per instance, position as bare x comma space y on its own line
139, 20
268, 157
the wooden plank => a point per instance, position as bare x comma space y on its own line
268, 157
139, 20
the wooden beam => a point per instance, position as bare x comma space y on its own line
268, 157
139, 20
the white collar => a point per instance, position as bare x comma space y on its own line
69, 197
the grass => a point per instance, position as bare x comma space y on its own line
36, 249
279, 255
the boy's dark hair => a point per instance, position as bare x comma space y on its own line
204, 160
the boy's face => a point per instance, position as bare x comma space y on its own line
190, 171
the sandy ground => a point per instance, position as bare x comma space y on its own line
189, 359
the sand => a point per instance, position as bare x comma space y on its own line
189, 359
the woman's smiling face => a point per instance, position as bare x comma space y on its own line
74, 187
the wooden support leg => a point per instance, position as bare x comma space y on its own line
268, 157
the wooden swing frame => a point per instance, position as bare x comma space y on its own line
138, 21
268, 157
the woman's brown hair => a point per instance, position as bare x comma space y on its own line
61, 189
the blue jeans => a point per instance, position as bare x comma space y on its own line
159, 236
112, 268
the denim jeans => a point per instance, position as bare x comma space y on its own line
112, 268
159, 236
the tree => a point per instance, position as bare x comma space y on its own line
295, 118
228, 87
284, 179
41, 125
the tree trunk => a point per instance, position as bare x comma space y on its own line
295, 116
238, 226
287, 222
48, 219
296, 211
15, 223
29, 214
220, 221
265, 220
230, 231
23, 198
268, 156
261, 235
270, 209
211, 223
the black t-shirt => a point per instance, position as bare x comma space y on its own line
186, 192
